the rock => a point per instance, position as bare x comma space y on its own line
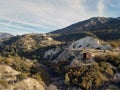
52, 87
89, 43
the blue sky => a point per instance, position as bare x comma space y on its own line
41, 16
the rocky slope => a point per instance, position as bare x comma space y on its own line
8, 80
18, 73
77, 48
10, 75
89, 43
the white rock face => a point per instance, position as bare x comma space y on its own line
51, 52
88, 43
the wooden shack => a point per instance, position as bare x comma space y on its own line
87, 56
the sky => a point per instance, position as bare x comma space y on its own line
42, 16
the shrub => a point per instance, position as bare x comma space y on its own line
87, 76
21, 76
4, 83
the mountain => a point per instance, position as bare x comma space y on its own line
5, 35
104, 28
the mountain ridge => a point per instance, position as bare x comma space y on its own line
91, 21
101, 27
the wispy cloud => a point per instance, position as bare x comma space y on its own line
101, 7
47, 15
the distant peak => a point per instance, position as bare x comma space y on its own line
99, 19
5, 35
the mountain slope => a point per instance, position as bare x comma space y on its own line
104, 28
95, 23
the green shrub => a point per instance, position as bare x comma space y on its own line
113, 59
87, 76
21, 76
37, 76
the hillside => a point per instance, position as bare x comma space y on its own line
75, 50
101, 27
82, 62
36, 61
30, 46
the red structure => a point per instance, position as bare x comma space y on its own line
87, 56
